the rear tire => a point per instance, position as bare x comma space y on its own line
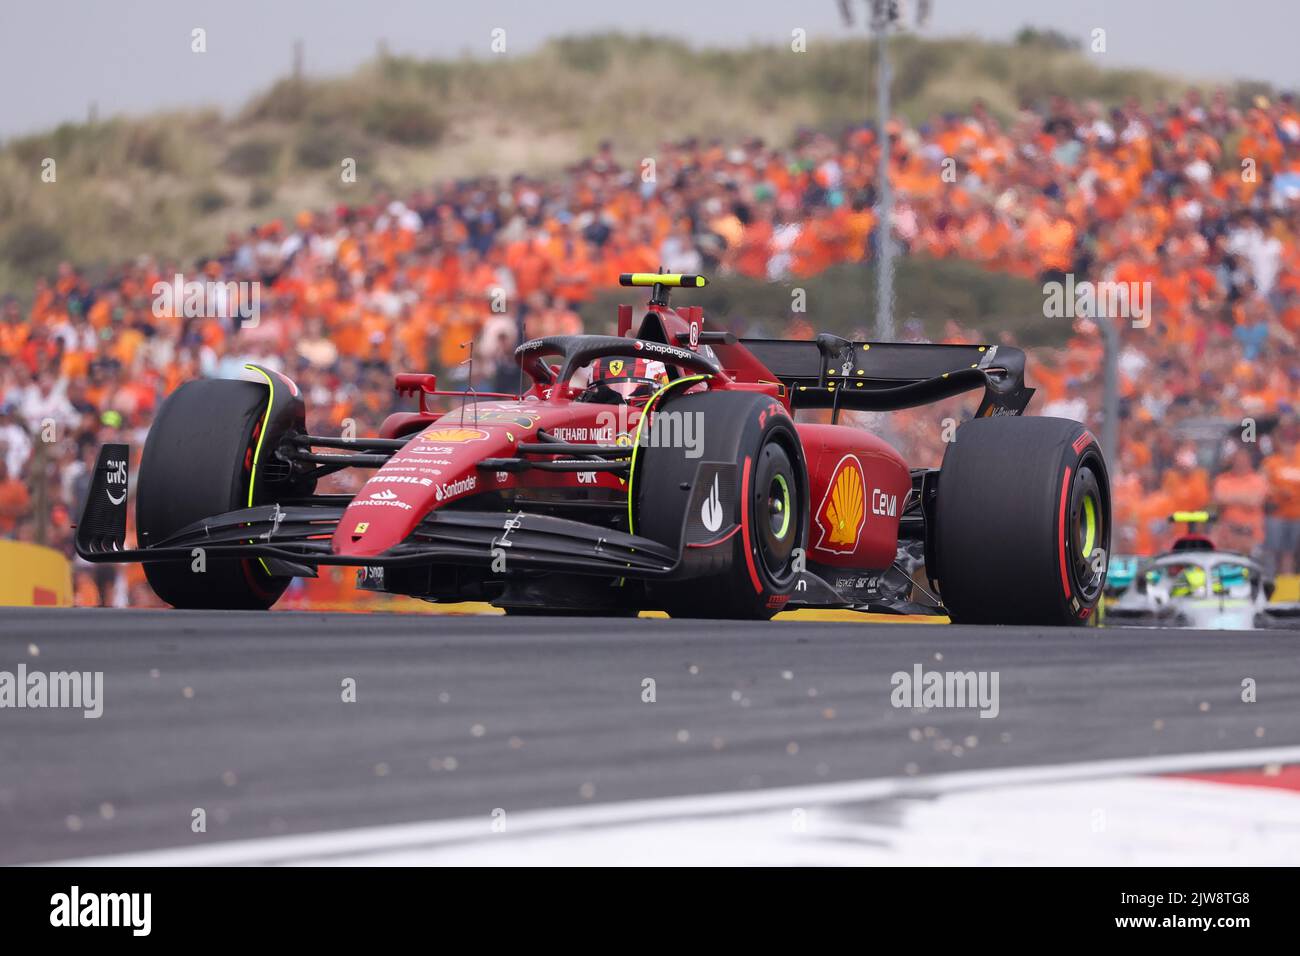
1022, 523
771, 498
197, 463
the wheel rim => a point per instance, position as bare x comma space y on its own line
778, 507
1088, 539
775, 514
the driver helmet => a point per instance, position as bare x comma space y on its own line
1191, 581
629, 378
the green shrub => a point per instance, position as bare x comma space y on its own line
252, 157
261, 195
208, 200
408, 121
323, 145
31, 248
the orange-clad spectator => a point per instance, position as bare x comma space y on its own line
1239, 495
530, 266
1050, 239
1186, 483
1152, 515
1282, 524
755, 249
14, 499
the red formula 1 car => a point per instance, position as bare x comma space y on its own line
661, 469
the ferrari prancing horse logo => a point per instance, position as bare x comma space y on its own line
842, 513
616, 367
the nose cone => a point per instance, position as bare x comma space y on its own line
435, 468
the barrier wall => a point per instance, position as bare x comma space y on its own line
33, 576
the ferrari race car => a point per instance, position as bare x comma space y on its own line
657, 469
1194, 584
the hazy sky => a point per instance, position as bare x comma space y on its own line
133, 56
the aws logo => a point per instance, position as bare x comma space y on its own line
115, 474
842, 513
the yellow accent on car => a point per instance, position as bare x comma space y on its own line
636, 442
673, 280
261, 437
1090, 526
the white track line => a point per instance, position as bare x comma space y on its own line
317, 847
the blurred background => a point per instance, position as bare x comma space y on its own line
385, 171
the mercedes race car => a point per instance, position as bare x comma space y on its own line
1194, 584
664, 467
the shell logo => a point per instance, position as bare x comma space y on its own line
454, 435
842, 513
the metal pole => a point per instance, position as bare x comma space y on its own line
885, 276
1110, 395
40, 498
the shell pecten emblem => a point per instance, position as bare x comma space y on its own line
448, 436
842, 513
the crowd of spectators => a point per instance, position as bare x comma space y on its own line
1198, 197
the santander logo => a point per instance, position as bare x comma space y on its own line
453, 488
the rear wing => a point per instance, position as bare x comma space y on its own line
831, 372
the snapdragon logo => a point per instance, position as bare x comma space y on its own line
1098, 300
208, 299
102, 909
79, 690
941, 689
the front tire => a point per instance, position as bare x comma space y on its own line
1022, 523
198, 462
770, 496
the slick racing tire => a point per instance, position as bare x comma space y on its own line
198, 462
1022, 523
770, 497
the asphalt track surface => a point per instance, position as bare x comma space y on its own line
242, 714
